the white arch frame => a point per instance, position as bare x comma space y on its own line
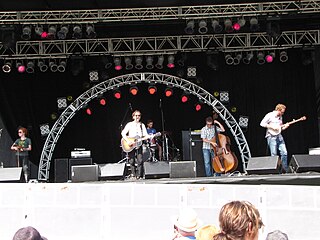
135, 78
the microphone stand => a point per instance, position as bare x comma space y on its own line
165, 151
124, 155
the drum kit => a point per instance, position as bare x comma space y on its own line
149, 150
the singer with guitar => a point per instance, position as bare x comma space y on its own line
132, 135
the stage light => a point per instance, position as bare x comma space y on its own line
134, 90
198, 107
228, 25
69, 98
237, 59
224, 97
30, 67
260, 58
168, 92
181, 59
184, 98
44, 129
149, 62
159, 64
53, 65
62, 103
283, 56
53, 116
244, 121
90, 31
229, 59
62, 65
8, 36
254, 24
7, 66
152, 89
26, 32
217, 28
192, 72
62, 33
273, 29
20, 67
40, 32
52, 32
102, 101
189, 29
128, 62
117, 63
170, 61
239, 24
203, 29
247, 58
138, 61
77, 31
93, 76
270, 57
117, 93
106, 60
88, 111
42, 66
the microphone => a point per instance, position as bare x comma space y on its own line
130, 107
160, 105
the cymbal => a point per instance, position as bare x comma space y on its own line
166, 133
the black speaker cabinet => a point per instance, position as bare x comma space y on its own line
84, 173
183, 169
78, 162
111, 171
156, 169
61, 170
264, 165
14, 174
305, 163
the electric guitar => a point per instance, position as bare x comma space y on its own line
135, 142
275, 130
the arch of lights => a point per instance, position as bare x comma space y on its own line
135, 78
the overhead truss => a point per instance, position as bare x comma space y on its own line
135, 78
160, 13
162, 44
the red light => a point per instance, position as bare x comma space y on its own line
44, 35
170, 65
21, 69
269, 59
236, 26
168, 92
134, 91
88, 111
117, 94
152, 90
118, 67
198, 107
103, 101
184, 98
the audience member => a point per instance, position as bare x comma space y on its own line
239, 220
28, 233
206, 232
186, 224
277, 235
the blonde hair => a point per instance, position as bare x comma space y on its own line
237, 219
206, 232
280, 106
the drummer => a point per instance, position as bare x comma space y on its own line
154, 143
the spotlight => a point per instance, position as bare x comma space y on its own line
42, 66
20, 67
40, 32
192, 72
203, 29
30, 67
270, 57
106, 60
168, 92
198, 107
62, 33
52, 32
77, 32
7, 66
117, 93
94, 76
182, 57
283, 56
128, 62
224, 97
152, 89
159, 64
243, 121
247, 58
53, 66
217, 28
134, 90
62, 65
62, 103
88, 111
237, 59
139, 65
254, 25
44, 129
102, 101
26, 32
189, 29
229, 59
170, 61
228, 25
260, 58
184, 98
90, 31
239, 24
149, 62
117, 63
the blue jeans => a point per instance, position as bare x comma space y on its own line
276, 143
208, 154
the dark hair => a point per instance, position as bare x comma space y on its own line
149, 121
209, 119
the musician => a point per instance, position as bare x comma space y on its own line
152, 130
207, 134
272, 121
135, 130
22, 147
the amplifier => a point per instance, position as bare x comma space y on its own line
80, 154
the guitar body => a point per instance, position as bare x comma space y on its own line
135, 142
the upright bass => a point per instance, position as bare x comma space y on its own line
224, 160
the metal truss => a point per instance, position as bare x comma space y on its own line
160, 13
135, 78
162, 44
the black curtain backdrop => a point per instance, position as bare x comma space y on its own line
29, 99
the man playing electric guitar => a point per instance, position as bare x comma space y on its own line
132, 134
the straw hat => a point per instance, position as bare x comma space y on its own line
28, 233
188, 220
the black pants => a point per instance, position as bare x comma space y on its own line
24, 163
135, 156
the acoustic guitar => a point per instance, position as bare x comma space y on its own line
275, 130
136, 142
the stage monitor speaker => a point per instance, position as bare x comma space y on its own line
264, 165
156, 169
84, 173
14, 174
78, 162
111, 171
183, 169
305, 163
61, 170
